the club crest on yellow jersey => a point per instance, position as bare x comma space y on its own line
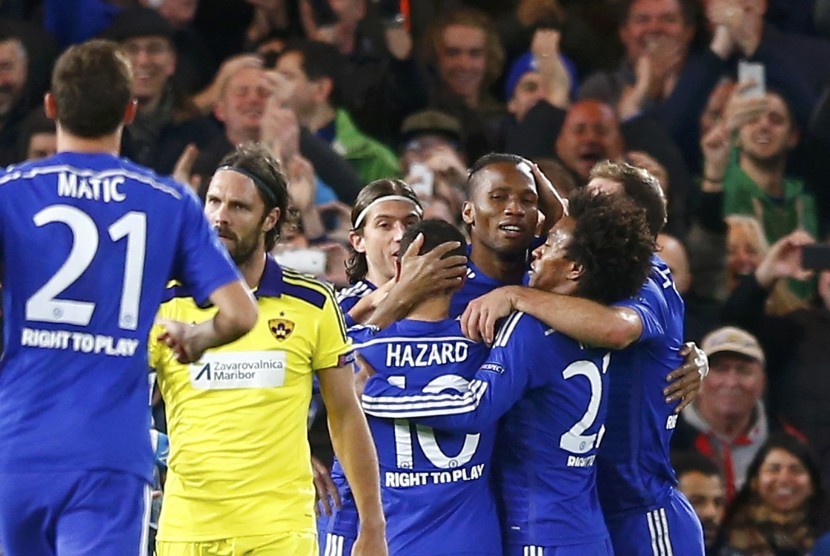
281, 328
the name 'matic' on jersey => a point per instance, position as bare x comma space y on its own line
88, 243
435, 485
553, 395
634, 466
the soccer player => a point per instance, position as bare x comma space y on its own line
427, 473
507, 194
239, 475
644, 511
384, 209
551, 389
88, 242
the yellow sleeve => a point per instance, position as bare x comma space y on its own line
333, 345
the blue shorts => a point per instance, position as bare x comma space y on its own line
599, 548
83, 513
336, 545
671, 529
322, 524
338, 533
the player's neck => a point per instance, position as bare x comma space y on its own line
432, 310
252, 268
376, 278
109, 144
506, 269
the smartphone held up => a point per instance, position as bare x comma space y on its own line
753, 75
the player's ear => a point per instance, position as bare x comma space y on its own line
576, 272
271, 220
50, 107
468, 212
356, 241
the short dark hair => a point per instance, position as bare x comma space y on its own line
319, 60
356, 265
7, 34
256, 160
435, 233
139, 21
92, 84
488, 160
612, 243
694, 462
640, 186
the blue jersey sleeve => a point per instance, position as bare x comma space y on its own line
346, 303
647, 306
498, 384
202, 264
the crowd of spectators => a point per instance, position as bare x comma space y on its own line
359, 91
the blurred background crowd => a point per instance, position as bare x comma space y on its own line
726, 101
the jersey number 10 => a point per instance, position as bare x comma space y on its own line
426, 436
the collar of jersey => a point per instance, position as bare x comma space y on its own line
271, 284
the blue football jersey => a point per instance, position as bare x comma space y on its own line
634, 467
475, 285
553, 394
349, 296
435, 485
88, 243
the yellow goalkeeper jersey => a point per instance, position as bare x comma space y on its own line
239, 457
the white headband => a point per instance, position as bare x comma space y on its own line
359, 220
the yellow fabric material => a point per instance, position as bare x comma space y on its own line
239, 460
291, 544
